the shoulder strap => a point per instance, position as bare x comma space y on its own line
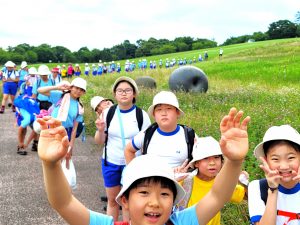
139, 117
189, 134
148, 135
263, 186
109, 117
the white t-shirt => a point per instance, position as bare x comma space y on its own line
288, 200
115, 148
169, 145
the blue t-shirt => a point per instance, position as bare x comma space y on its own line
40, 83
22, 74
186, 216
73, 110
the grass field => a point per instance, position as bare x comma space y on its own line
260, 78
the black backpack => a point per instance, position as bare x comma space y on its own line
189, 134
110, 115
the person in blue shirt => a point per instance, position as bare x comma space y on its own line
67, 107
23, 72
149, 189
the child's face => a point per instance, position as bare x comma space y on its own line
124, 94
209, 167
103, 105
76, 92
149, 203
285, 159
166, 115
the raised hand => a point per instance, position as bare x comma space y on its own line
296, 175
234, 136
100, 123
272, 176
53, 141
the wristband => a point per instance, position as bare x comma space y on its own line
273, 189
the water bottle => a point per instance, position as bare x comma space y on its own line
83, 137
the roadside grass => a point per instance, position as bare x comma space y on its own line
261, 78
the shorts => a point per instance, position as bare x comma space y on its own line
20, 83
10, 88
45, 104
112, 174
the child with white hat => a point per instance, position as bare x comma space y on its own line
67, 107
10, 78
98, 104
149, 189
208, 161
275, 199
168, 138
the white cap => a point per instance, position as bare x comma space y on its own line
23, 64
32, 70
95, 101
9, 64
165, 97
129, 80
148, 166
43, 70
79, 82
283, 132
205, 147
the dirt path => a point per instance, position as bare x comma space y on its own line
22, 194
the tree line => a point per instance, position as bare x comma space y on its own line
45, 53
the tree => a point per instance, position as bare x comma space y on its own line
259, 36
297, 21
44, 53
282, 29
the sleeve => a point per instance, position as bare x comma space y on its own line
55, 96
186, 216
238, 194
138, 140
79, 118
256, 205
98, 218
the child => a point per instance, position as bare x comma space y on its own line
67, 107
115, 134
99, 103
208, 160
168, 138
148, 193
280, 155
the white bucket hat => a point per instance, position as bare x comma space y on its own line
95, 101
129, 80
23, 64
43, 70
79, 82
205, 147
165, 97
9, 64
143, 167
283, 132
32, 70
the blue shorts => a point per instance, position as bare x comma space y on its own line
20, 83
112, 174
10, 88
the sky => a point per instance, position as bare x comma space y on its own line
104, 23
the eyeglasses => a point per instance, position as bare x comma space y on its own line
126, 91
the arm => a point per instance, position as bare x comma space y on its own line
46, 90
100, 134
53, 145
273, 179
234, 145
129, 152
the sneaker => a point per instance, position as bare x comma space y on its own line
13, 108
34, 147
2, 109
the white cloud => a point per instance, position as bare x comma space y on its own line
100, 24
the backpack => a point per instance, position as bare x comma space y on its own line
189, 134
110, 115
81, 125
